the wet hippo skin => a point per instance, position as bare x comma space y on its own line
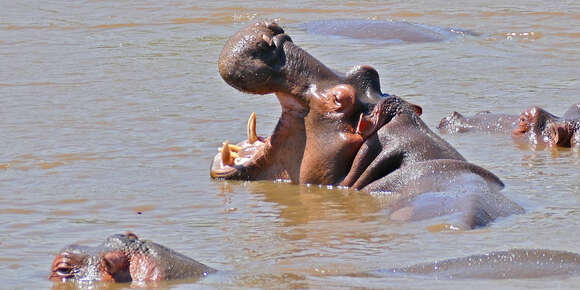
484, 121
340, 129
124, 258
510, 264
533, 126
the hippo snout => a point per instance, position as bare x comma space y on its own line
252, 58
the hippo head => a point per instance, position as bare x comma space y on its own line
454, 123
124, 258
534, 125
326, 116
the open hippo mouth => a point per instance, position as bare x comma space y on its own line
326, 116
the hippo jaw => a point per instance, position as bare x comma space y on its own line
329, 137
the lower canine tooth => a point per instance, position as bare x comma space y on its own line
252, 136
363, 125
226, 154
233, 147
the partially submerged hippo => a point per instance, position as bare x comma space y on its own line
384, 31
484, 121
510, 264
533, 126
340, 129
124, 258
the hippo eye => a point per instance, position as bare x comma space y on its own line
65, 271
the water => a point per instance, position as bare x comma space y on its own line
112, 112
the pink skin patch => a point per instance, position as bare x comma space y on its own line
143, 268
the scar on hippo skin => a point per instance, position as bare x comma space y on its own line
124, 258
533, 126
510, 264
340, 129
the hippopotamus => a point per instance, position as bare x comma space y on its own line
534, 125
383, 31
484, 121
124, 258
510, 264
340, 129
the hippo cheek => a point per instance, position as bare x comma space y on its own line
115, 267
523, 125
332, 138
144, 268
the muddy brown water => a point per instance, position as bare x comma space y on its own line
112, 112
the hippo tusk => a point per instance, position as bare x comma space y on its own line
233, 147
252, 136
364, 126
228, 156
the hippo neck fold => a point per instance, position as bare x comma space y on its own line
301, 70
330, 150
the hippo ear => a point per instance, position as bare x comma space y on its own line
417, 109
366, 80
116, 264
131, 236
341, 98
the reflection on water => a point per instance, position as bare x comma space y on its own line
113, 110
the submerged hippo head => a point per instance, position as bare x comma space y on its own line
124, 258
454, 123
484, 121
326, 116
534, 125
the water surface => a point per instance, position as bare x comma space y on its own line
112, 112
